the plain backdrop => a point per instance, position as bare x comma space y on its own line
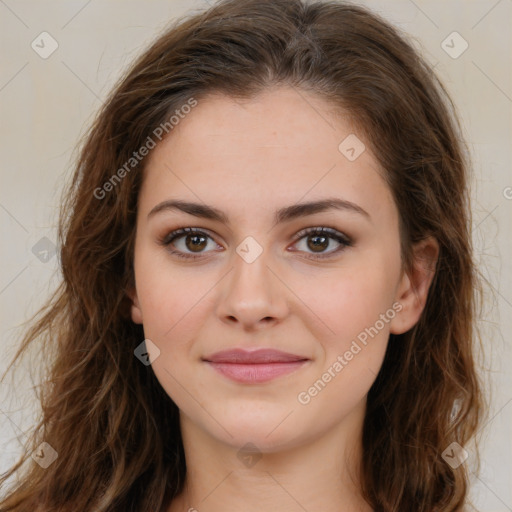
47, 103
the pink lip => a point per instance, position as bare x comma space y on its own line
255, 366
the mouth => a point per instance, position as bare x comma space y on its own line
255, 366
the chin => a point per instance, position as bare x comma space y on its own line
268, 434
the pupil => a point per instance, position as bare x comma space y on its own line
195, 243
320, 245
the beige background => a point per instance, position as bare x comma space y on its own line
46, 105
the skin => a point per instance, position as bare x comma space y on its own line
249, 159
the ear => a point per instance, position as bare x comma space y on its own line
414, 285
135, 311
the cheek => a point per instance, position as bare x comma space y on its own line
356, 311
169, 296
348, 302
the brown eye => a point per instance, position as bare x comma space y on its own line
185, 242
318, 240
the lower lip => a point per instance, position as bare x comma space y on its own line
254, 373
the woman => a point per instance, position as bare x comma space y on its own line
268, 288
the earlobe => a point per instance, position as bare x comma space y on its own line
414, 285
135, 311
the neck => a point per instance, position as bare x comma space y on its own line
317, 474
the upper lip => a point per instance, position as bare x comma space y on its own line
259, 356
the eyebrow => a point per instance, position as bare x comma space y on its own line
282, 215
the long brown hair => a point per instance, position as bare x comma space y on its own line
113, 426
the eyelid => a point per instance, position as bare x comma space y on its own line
175, 233
322, 230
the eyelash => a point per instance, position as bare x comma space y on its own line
315, 231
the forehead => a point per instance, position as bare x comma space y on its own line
277, 147
279, 117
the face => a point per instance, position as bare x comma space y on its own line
257, 272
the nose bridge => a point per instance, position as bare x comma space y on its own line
253, 293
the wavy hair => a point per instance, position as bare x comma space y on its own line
114, 428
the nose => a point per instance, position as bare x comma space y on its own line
253, 296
